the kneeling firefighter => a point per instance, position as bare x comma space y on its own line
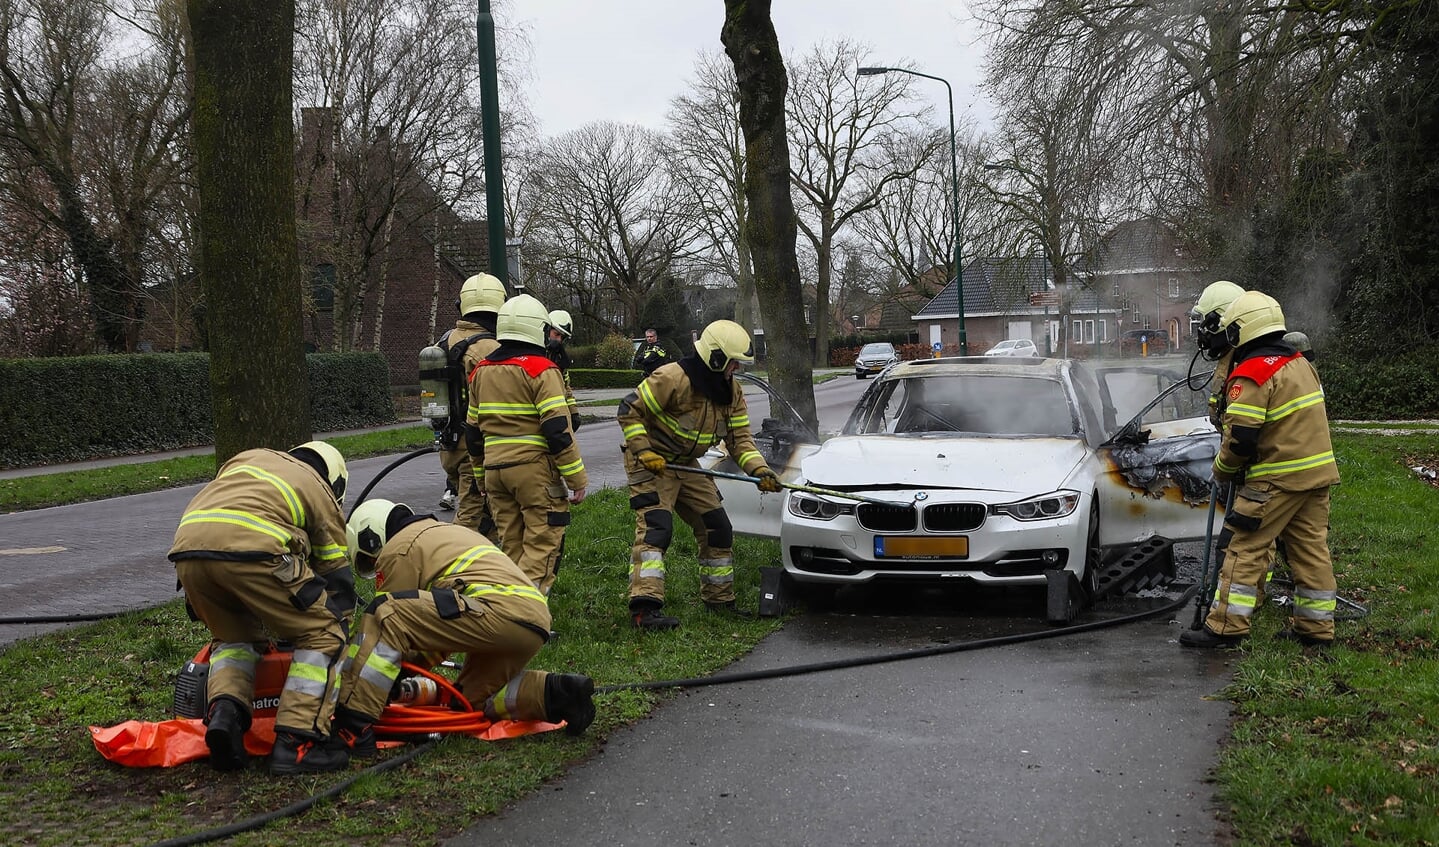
674, 416
446, 589
261, 551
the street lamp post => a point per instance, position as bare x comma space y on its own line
954, 177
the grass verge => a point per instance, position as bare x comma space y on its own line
1340, 748
56, 787
57, 489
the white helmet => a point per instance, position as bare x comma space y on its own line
723, 342
482, 293
1208, 312
366, 533
523, 318
560, 320
333, 464
1252, 315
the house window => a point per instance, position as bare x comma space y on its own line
1174, 288
1076, 330
1089, 332
1103, 331
322, 287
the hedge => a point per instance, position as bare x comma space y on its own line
1404, 385
85, 407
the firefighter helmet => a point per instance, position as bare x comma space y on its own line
723, 342
523, 318
482, 293
327, 462
1252, 315
367, 532
1208, 312
560, 320
1300, 342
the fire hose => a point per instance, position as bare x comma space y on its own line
794, 486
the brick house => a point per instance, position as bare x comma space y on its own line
412, 286
1141, 268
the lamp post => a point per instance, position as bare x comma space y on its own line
954, 177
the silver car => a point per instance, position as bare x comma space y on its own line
874, 358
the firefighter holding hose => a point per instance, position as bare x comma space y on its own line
446, 589
674, 416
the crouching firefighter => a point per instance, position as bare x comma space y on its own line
446, 589
1276, 448
259, 550
674, 416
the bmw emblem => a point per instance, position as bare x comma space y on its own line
921, 496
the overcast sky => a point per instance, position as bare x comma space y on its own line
624, 60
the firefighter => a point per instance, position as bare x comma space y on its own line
262, 549
651, 354
674, 416
521, 443
446, 589
481, 297
1275, 448
561, 328
1206, 315
1299, 341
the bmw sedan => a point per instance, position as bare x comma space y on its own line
991, 470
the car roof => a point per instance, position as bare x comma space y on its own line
955, 365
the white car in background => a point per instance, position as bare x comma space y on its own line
1013, 347
995, 472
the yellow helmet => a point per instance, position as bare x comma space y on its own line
523, 318
326, 461
1252, 315
367, 532
723, 342
560, 320
482, 293
1208, 312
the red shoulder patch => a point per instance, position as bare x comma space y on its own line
1234, 392
1260, 369
532, 365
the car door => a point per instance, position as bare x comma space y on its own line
784, 440
1156, 467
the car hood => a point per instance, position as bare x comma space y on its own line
1017, 465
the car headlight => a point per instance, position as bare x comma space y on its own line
816, 509
1042, 508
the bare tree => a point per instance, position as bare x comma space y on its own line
88, 144
850, 142
750, 42
612, 221
245, 166
705, 148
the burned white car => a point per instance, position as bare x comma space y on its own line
991, 470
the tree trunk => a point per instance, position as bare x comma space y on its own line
749, 39
245, 178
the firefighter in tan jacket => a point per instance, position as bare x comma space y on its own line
446, 589
674, 416
1276, 449
261, 551
521, 443
481, 297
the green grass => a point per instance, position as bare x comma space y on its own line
1341, 748
37, 492
56, 786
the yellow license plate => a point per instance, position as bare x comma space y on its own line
953, 547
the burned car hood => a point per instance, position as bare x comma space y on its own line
869, 462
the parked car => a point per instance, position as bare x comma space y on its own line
991, 472
874, 358
1013, 347
1133, 342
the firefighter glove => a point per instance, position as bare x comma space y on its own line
653, 462
768, 481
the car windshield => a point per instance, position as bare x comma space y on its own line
985, 404
876, 350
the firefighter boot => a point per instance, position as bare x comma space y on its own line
569, 697
225, 728
645, 614
728, 608
353, 732
295, 753
1205, 638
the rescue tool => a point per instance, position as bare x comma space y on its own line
794, 486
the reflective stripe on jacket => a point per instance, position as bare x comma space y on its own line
519, 407
666, 414
429, 554
1275, 425
264, 503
